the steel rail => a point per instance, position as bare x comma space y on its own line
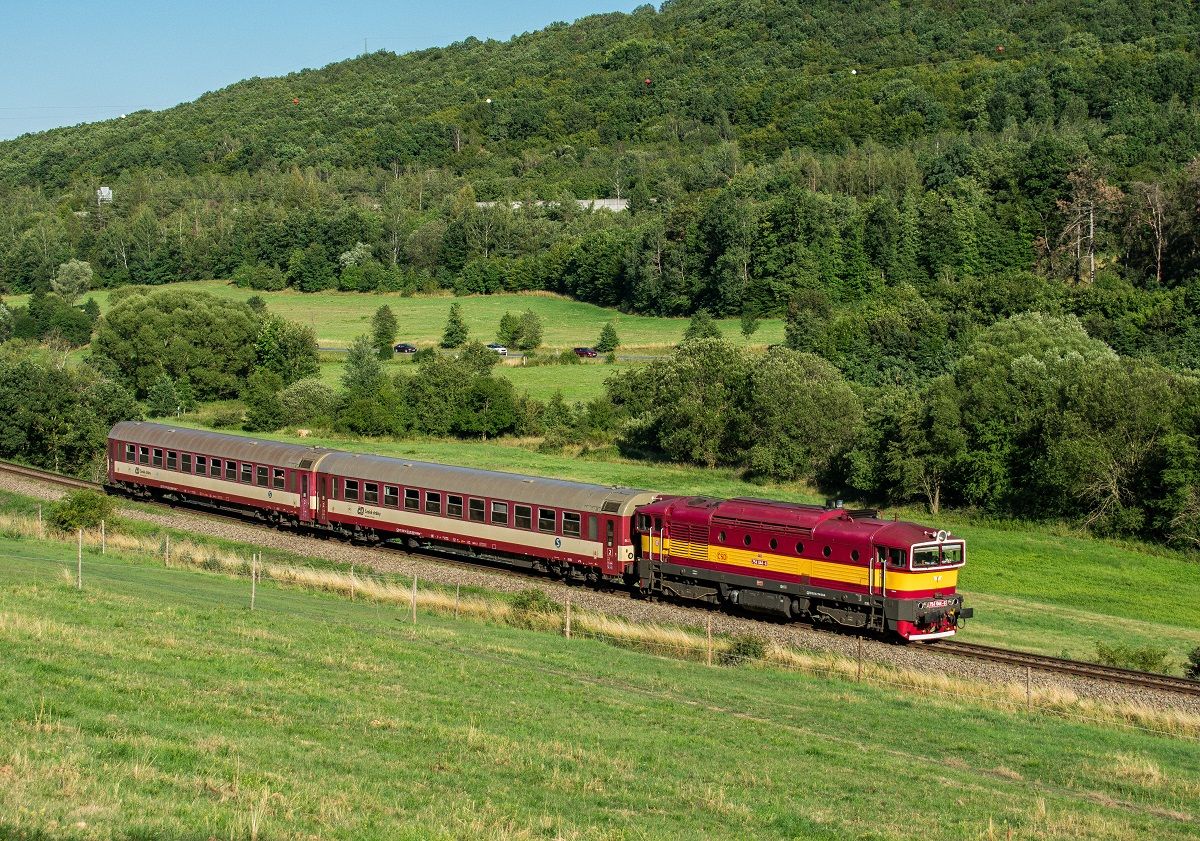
48, 476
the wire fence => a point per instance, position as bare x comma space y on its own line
565, 619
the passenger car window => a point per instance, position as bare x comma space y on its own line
433, 502
500, 513
412, 499
391, 496
475, 510
201, 465
371, 492
215, 467
130, 452
570, 524
454, 506
144, 455
158, 458
352, 490
278, 477
524, 517
547, 520
262, 476
172, 460
185, 462
247, 473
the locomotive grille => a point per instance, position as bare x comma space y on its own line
688, 541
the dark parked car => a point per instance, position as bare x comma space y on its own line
405, 347
585, 351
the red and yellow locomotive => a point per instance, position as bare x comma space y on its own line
828, 563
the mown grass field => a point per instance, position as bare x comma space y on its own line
1035, 587
155, 704
338, 317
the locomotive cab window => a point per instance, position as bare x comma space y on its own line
371, 493
278, 477
158, 458
643, 522
261, 476
546, 519
412, 499
952, 555
433, 502
130, 452
352, 490
500, 513
391, 496
524, 517
454, 506
143, 455
475, 510
570, 524
172, 460
201, 466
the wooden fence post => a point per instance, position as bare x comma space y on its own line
1028, 688
167, 551
858, 675
568, 627
414, 599
41, 527
457, 589
253, 579
708, 647
103, 539
79, 563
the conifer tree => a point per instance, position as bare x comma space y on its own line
455, 334
383, 331
608, 341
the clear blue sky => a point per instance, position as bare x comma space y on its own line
71, 62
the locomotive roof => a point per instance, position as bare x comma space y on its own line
219, 444
494, 484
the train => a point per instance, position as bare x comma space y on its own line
827, 564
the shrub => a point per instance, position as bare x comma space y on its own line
569, 357
226, 419
1192, 669
423, 354
82, 509
531, 603
743, 649
1147, 658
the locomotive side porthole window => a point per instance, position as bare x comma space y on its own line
854, 554
594, 527
774, 543
500, 513
799, 548
201, 466
172, 460
412, 499
278, 477
247, 472
475, 510
547, 520
524, 517
371, 493
826, 551
454, 506
391, 496
185, 462
433, 502
720, 537
144, 455
746, 540
157, 457
570, 524
261, 476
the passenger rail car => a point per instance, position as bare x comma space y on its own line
830, 564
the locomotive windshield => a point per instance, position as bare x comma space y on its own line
936, 556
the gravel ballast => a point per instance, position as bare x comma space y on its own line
912, 657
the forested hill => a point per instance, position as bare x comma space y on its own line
771, 75
781, 154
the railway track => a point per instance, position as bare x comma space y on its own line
1077, 668
956, 648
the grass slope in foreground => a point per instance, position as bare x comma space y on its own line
1035, 587
153, 703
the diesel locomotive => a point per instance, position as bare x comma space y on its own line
827, 564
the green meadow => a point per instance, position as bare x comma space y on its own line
1035, 587
154, 703
338, 317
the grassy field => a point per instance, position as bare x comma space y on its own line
1034, 587
155, 704
338, 317
576, 382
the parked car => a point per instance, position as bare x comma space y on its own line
500, 349
585, 351
405, 347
